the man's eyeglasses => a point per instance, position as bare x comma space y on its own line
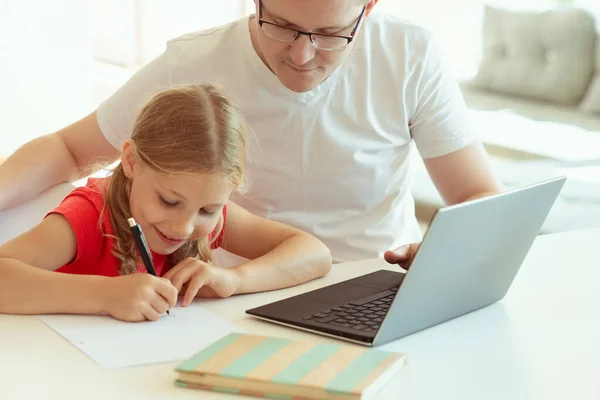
321, 41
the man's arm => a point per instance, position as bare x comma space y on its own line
51, 159
465, 174
459, 176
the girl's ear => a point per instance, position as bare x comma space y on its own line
129, 158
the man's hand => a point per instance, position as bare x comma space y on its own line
403, 255
195, 278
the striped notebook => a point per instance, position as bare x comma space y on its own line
286, 369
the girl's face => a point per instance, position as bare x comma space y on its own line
174, 209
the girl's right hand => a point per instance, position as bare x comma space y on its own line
138, 297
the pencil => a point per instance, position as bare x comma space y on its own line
142, 246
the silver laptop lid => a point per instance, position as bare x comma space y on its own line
468, 258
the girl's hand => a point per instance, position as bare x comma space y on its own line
196, 278
138, 297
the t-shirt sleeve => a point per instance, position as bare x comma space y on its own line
83, 217
116, 115
441, 122
216, 243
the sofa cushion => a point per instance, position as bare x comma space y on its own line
543, 55
591, 102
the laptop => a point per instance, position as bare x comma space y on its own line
467, 260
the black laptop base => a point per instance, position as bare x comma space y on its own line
353, 309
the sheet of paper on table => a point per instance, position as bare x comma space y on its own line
116, 344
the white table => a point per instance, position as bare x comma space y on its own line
541, 342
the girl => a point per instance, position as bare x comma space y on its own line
185, 157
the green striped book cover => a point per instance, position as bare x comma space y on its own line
285, 369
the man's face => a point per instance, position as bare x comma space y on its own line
299, 65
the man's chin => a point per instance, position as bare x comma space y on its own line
299, 82
299, 85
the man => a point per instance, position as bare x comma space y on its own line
335, 96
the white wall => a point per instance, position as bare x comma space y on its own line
163, 20
44, 67
132, 32
60, 58
455, 23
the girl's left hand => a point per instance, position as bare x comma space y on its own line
196, 278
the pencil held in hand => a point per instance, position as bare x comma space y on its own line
142, 245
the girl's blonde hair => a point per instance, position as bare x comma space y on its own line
183, 130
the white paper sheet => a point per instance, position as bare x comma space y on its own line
116, 344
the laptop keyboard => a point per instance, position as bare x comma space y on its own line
364, 315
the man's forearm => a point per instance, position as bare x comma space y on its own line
33, 168
483, 194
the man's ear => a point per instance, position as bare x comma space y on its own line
129, 158
370, 6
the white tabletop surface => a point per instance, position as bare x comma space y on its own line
542, 341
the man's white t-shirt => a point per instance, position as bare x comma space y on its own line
333, 161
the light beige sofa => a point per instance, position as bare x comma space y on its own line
536, 103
